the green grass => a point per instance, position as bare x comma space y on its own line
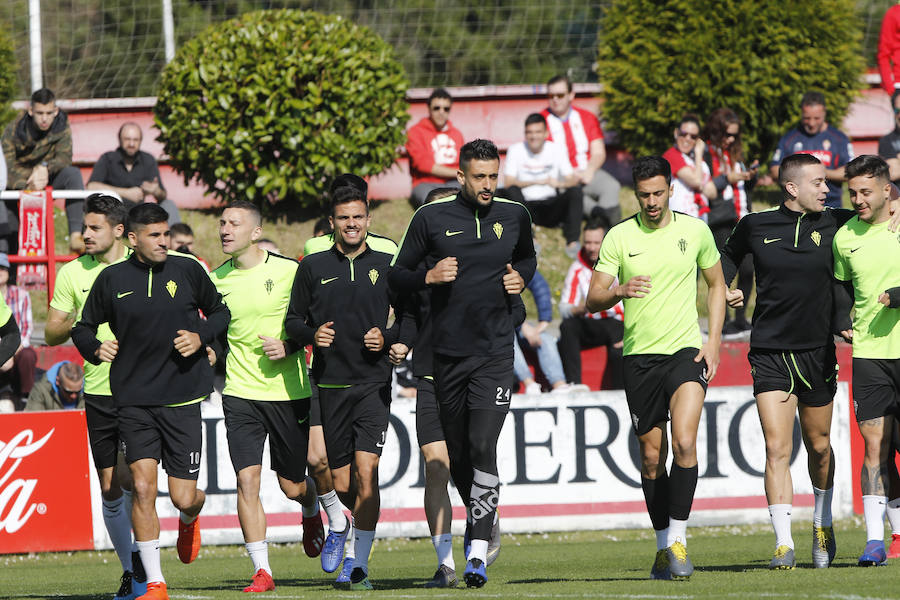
730, 561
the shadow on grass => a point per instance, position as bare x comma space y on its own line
571, 579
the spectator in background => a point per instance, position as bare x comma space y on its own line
268, 245
815, 136
580, 329
60, 388
433, 147
182, 240
691, 181
3, 173
537, 173
132, 173
37, 147
733, 182
889, 144
579, 131
889, 50
17, 373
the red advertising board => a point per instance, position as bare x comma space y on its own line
45, 495
32, 237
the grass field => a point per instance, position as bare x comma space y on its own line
730, 563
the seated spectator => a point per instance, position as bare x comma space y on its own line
889, 144
691, 180
182, 240
579, 329
132, 173
60, 388
268, 245
433, 147
579, 131
17, 374
37, 147
537, 173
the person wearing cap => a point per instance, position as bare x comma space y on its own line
17, 373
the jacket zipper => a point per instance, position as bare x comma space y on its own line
797, 231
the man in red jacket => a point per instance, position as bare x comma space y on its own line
889, 50
433, 145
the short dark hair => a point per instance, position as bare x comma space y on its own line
242, 205
323, 225
868, 165
791, 166
438, 193
108, 206
535, 118
689, 118
43, 96
558, 78
440, 93
352, 180
477, 150
148, 213
812, 99
183, 228
345, 195
598, 221
647, 167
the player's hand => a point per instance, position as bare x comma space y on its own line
187, 342
847, 334
211, 356
397, 353
637, 287
7, 366
443, 272
274, 348
512, 281
885, 299
324, 335
711, 354
107, 351
734, 298
374, 340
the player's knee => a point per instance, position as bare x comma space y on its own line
684, 446
820, 448
292, 489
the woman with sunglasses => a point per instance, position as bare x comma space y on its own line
691, 181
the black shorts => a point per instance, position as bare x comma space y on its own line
876, 388
652, 379
354, 419
248, 422
474, 382
428, 417
811, 375
103, 429
172, 434
315, 411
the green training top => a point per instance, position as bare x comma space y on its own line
258, 299
665, 320
73, 283
869, 256
373, 241
5, 312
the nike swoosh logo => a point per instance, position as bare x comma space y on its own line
123, 294
193, 470
85, 290
448, 233
498, 403
225, 294
854, 250
768, 241
302, 421
633, 254
379, 444
324, 281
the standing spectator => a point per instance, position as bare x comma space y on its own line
37, 147
61, 388
691, 181
889, 144
580, 329
538, 174
433, 146
733, 182
889, 50
815, 136
579, 130
132, 173
18, 372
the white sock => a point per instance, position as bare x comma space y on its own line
150, 559
126, 495
822, 510
662, 538
874, 508
186, 519
337, 521
259, 554
118, 524
351, 547
677, 532
362, 540
781, 523
478, 549
893, 515
443, 546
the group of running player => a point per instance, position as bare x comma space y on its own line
151, 324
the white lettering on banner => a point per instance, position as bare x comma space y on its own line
444, 149
12, 518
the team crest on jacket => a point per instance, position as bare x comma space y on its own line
269, 285
816, 237
373, 275
171, 287
498, 230
682, 245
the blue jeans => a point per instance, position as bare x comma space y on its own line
548, 359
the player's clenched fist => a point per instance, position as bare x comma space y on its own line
374, 340
636, 287
108, 350
273, 347
187, 342
512, 281
443, 272
324, 335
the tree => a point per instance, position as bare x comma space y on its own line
273, 104
7, 78
659, 60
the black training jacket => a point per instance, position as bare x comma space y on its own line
794, 274
145, 307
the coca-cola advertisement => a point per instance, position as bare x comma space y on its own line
45, 497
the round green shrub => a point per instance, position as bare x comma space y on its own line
659, 60
270, 106
7, 77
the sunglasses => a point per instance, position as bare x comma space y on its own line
559, 96
732, 135
691, 136
445, 109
